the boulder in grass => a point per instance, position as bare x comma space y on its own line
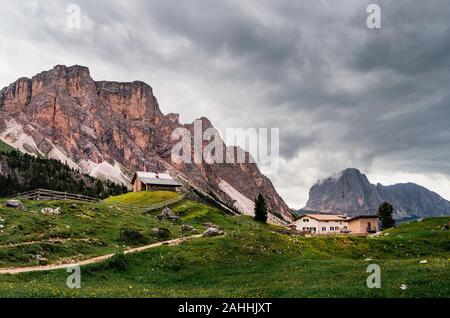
187, 228
168, 215
16, 204
211, 225
161, 233
40, 259
212, 231
51, 211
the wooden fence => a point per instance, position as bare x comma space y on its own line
43, 194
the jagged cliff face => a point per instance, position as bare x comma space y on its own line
351, 192
111, 129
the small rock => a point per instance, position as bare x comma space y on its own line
16, 204
187, 228
161, 232
51, 211
212, 231
74, 206
168, 215
420, 220
423, 262
368, 259
210, 225
403, 287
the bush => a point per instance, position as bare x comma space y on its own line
118, 262
132, 236
162, 233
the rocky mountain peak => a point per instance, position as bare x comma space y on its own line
351, 192
111, 129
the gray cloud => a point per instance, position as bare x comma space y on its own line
341, 94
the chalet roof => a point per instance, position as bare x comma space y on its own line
326, 217
155, 178
363, 217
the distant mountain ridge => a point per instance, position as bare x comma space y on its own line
351, 192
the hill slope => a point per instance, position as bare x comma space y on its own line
251, 260
351, 192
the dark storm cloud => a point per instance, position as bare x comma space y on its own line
340, 93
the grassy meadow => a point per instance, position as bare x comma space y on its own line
251, 260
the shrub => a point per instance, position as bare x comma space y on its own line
162, 233
118, 262
132, 236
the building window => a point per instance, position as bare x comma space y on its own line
305, 220
337, 228
345, 226
331, 228
324, 229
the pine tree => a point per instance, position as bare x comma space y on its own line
385, 212
260, 209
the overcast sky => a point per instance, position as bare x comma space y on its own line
342, 95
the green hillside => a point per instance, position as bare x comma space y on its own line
251, 260
4, 147
93, 229
143, 197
